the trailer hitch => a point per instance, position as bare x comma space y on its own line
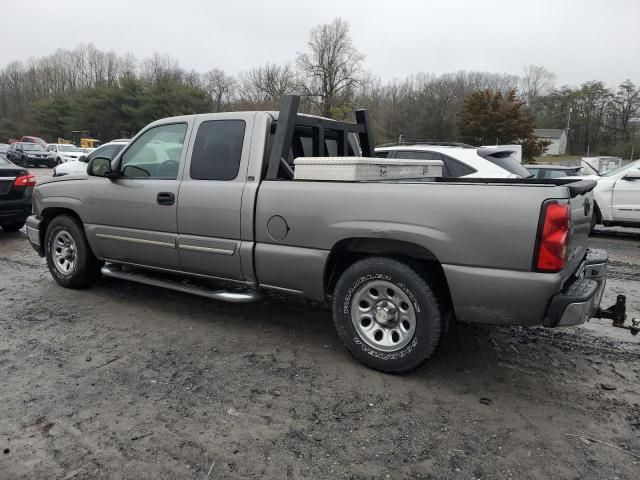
618, 313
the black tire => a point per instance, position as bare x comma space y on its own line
12, 227
58, 161
86, 269
428, 319
594, 218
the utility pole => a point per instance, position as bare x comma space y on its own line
568, 127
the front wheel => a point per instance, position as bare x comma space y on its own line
69, 258
386, 315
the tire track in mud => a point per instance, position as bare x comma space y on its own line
623, 270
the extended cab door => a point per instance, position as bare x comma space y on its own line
211, 195
626, 198
135, 214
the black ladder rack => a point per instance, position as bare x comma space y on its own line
289, 118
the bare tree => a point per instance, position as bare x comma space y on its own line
161, 67
624, 105
221, 87
536, 82
262, 87
332, 67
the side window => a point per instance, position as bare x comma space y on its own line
108, 151
422, 155
456, 168
217, 150
156, 153
382, 154
426, 155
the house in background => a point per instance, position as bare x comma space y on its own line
557, 138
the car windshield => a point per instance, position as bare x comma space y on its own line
32, 147
68, 148
3, 161
615, 171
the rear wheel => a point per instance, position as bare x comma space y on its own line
69, 258
386, 315
594, 219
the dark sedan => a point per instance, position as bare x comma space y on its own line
29, 154
553, 171
16, 187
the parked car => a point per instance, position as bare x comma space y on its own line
199, 198
16, 187
553, 171
64, 152
460, 160
79, 167
31, 139
29, 154
617, 197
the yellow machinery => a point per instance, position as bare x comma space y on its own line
81, 139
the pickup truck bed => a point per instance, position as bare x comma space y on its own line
212, 197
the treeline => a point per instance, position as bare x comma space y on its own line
113, 95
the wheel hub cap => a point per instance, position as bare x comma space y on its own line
63, 252
386, 313
383, 315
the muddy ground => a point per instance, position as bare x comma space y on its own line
129, 381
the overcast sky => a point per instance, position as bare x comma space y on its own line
577, 40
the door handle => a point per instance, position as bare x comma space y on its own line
166, 198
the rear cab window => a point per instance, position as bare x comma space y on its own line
217, 150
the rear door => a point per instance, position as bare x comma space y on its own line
210, 199
626, 200
135, 218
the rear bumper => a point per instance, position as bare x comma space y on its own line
580, 300
522, 298
34, 223
14, 211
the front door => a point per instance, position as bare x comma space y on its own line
136, 222
210, 197
626, 200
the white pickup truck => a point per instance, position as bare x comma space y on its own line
617, 197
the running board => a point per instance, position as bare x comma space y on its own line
182, 286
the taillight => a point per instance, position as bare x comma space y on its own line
554, 237
25, 181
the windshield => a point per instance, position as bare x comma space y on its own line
68, 148
32, 147
3, 161
610, 173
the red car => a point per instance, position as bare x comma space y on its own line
30, 139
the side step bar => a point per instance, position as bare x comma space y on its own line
234, 297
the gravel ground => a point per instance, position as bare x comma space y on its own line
129, 381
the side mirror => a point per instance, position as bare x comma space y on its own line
100, 167
632, 175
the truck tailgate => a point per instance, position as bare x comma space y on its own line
581, 203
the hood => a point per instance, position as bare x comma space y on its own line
63, 178
584, 177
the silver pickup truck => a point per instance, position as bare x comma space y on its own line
199, 201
